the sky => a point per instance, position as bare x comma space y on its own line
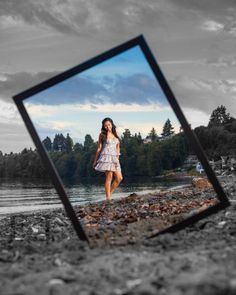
123, 88
194, 43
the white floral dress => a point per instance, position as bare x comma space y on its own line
109, 158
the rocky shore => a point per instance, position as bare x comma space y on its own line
41, 254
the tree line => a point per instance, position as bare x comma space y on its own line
148, 156
219, 137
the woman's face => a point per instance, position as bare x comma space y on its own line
107, 125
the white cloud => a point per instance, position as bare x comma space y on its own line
62, 125
212, 26
3, 78
46, 111
9, 113
8, 21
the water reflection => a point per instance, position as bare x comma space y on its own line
26, 195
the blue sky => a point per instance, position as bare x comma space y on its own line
123, 88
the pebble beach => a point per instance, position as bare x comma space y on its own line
41, 254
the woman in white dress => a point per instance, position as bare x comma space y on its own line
107, 156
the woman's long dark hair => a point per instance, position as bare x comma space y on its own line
104, 131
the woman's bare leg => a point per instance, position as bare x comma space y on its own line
109, 175
116, 182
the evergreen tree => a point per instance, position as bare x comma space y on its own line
78, 148
153, 135
168, 129
138, 138
219, 117
59, 143
69, 143
47, 144
88, 142
126, 134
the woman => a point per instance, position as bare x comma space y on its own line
107, 156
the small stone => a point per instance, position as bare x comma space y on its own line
221, 224
41, 237
232, 285
56, 282
145, 288
19, 239
58, 262
200, 182
133, 283
5, 251
118, 291
56, 229
35, 230
58, 221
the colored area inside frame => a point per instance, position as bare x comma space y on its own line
164, 182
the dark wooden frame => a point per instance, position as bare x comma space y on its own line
140, 41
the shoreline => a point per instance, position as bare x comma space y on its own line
123, 220
117, 196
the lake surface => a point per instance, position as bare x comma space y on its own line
29, 195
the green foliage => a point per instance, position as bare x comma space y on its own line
168, 129
219, 138
26, 164
153, 135
138, 157
47, 144
69, 143
75, 161
219, 117
88, 142
59, 143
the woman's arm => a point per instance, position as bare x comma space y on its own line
98, 151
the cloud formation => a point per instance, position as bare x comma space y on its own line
56, 14
212, 26
12, 84
117, 17
205, 95
78, 16
219, 15
221, 61
134, 89
14, 137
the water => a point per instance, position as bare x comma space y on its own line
29, 195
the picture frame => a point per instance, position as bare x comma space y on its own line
195, 144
